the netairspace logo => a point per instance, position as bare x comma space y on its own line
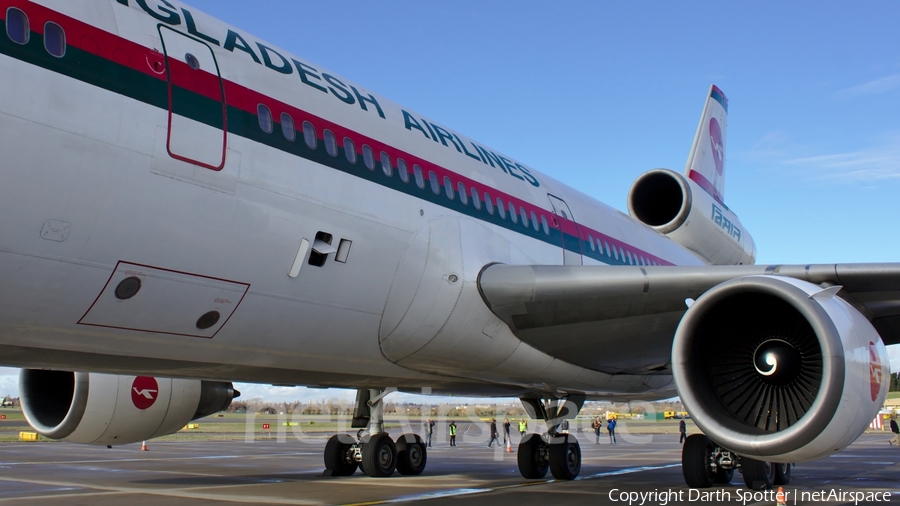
744, 496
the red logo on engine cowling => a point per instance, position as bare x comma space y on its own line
144, 391
876, 372
715, 141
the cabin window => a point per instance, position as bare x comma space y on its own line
534, 222
488, 203
309, 135
190, 59
545, 225
420, 180
448, 188
591, 240
287, 127
330, 143
265, 118
628, 257
386, 164
476, 200
619, 253
606, 247
435, 185
54, 39
369, 157
524, 216
512, 213
349, 150
402, 170
501, 209
462, 194
17, 26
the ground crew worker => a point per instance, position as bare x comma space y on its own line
523, 427
506, 436
429, 430
452, 433
597, 425
895, 430
611, 427
682, 428
494, 434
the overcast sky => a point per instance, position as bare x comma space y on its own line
594, 93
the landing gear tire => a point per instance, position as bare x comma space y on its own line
565, 458
338, 460
758, 475
695, 455
532, 457
411, 455
379, 456
724, 476
782, 474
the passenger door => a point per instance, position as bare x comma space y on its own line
571, 242
197, 114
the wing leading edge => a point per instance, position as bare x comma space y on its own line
621, 319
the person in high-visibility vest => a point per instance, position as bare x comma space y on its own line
523, 427
452, 433
780, 497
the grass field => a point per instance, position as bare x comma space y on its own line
251, 427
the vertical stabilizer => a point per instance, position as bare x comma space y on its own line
706, 163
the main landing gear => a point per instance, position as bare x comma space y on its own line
705, 463
372, 449
555, 451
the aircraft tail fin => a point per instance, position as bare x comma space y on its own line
706, 163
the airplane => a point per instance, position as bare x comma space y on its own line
185, 205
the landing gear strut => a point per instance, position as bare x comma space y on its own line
555, 451
705, 463
373, 450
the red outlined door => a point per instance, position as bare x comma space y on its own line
571, 244
197, 114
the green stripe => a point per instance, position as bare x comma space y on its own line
109, 75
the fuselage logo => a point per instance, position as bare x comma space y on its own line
144, 391
718, 147
876, 372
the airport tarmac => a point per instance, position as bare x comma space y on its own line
269, 472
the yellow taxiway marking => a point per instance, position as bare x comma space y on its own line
470, 491
184, 493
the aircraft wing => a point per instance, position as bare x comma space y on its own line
623, 318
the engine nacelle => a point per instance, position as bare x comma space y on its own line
107, 409
677, 207
779, 369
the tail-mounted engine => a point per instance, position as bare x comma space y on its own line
779, 369
677, 207
106, 409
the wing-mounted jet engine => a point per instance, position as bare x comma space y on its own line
107, 409
776, 370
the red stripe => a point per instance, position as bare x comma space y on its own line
706, 184
114, 48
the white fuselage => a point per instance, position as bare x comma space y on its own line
98, 186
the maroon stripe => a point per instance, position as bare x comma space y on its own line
151, 62
706, 184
